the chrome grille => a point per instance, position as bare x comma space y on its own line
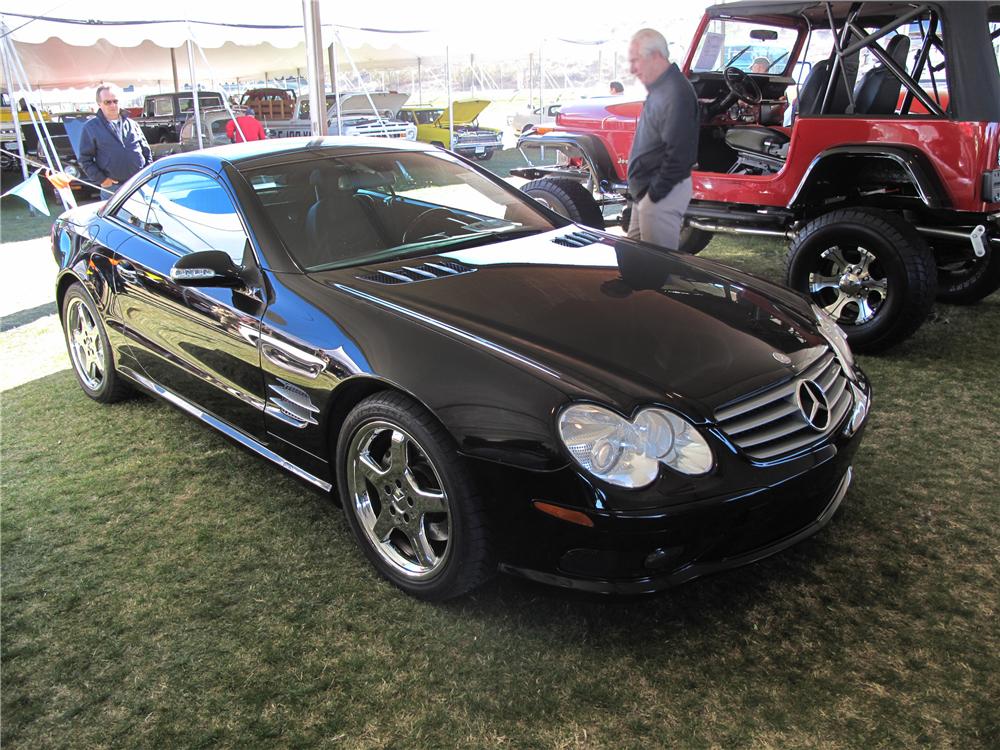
771, 424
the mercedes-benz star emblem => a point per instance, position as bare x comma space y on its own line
783, 358
813, 405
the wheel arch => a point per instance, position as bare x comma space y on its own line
592, 148
912, 165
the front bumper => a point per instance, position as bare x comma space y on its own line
643, 551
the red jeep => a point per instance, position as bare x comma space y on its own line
867, 134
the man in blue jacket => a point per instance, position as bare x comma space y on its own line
112, 147
665, 147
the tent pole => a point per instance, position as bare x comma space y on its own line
15, 117
173, 67
420, 83
541, 82
194, 92
336, 86
314, 56
451, 106
333, 70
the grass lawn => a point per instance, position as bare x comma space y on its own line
162, 588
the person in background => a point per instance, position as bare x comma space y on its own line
112, 146
615, 88
665, 147
760, 65
250, 125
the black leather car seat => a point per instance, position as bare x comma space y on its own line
764, 150
337, 225
877, 93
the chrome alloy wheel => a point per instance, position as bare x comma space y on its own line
399, 500
849, 284
85, 345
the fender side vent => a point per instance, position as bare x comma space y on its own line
578, 239
437, 269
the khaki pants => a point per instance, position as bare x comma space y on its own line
660, 223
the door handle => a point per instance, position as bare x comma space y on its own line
127, 273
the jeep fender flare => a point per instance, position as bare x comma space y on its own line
592, 147
912, 163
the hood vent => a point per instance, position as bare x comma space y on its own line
578, 239
438, 269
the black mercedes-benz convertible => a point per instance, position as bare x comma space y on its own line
483, 384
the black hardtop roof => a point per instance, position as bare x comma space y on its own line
255, 154
815, 12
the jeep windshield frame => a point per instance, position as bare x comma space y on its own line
960, 34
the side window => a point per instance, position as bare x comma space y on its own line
136, 207
209, 101
194, 213
219, 127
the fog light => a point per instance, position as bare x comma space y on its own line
662, 557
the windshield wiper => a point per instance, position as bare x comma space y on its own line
416, 249
738, 55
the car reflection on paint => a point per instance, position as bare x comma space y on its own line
481, 383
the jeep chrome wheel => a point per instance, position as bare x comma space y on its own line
410, 500
850, 284
869, 269
398, 498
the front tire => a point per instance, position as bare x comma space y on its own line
694, 240
410, 500
89, 349
870, 270
567, 197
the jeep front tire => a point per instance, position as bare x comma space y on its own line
870, 270
567, 197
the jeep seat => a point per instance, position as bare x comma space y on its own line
757, 148
878, 90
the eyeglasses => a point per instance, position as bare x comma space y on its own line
109, 101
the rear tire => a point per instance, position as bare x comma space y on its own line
870, 270
89, 349
966, 282
567, 197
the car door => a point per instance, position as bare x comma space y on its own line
199, 343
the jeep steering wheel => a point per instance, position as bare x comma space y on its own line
742, 86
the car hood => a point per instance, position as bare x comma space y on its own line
359, 103
466, 112
613, 320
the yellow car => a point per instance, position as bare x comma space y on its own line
471, 140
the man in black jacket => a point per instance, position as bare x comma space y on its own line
665, 146
112, 147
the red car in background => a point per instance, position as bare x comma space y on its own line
871, 141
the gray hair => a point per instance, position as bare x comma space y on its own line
103, 87
648, 41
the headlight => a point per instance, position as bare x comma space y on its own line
837, 338
72, 170
629, 454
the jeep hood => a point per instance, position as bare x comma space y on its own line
613, 321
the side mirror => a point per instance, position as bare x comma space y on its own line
207, 268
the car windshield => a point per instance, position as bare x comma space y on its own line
747, 46
362, 208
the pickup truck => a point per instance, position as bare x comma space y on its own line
163, 114
356, 115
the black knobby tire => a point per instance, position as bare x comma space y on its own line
458, 551
694, 240
567, 197
90, 352
485, 156
967, 282
899, 273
